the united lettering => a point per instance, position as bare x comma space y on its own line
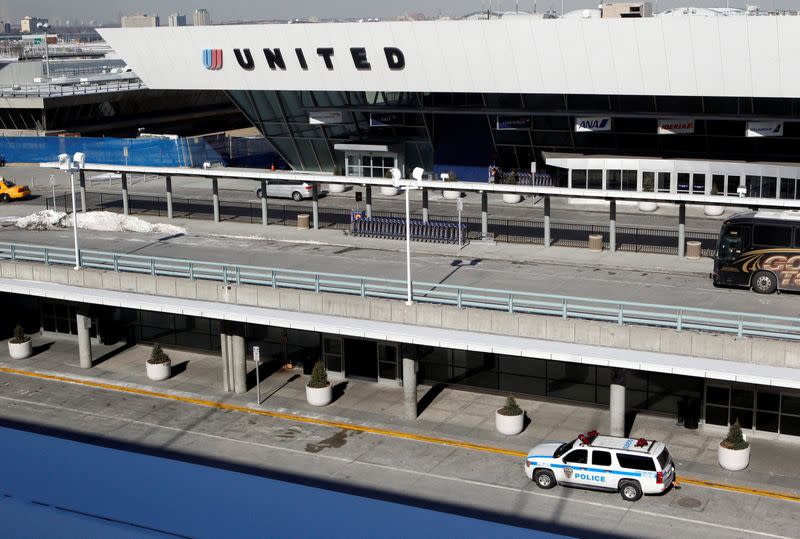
327, 58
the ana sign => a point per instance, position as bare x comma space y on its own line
764, 129
593, 123
675, 126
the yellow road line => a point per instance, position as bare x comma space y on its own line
360, 428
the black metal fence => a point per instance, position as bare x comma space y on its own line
641, 239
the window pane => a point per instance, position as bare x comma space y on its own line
683, 182
744, 416
595, 179
718, 184
613, 180
753, 184
767, 421
742, 398
578, 456
717, 415
629, 180
790, 425
663, 181
790, 405
787, 188
636, 462
648, 181
601, 458
733, 184
717, 395
699, 183
387, 370
579, 179
774, 236
768, 400
769, 186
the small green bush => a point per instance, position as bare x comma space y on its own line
735, 439
19, 335
319, 376
511, 407
158, 356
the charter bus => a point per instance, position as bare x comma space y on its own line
759, 250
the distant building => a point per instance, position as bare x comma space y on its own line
627, 10
5, 27
201, 17
28, 24
177, 19
140, 21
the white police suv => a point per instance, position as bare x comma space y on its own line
629, 466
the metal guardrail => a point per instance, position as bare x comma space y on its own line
619, 312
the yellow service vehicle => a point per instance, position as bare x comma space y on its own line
10, 191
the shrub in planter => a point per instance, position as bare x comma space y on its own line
319, 390
648, 186
20, 345
159, 366
510, 418
734, 451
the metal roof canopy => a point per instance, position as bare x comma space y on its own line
412, 334
283, 175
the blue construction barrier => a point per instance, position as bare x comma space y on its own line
395, 228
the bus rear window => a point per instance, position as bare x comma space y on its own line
772, 236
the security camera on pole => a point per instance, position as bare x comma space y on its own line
72, 166
396, 176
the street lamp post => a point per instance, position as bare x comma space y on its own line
417, 175
71, 166
44, 26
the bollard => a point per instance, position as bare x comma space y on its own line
595, 243
302, 221
693, 250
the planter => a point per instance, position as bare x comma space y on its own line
336, 188
733, 459
319, 396
389, 191
451, 195
648, 206
159, 371
20, 350
512, 198
713, 211
509, 424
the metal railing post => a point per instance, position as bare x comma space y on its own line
564, 308
740, 333
225, 275
13, 253
46, 256
511, 303
620, 315
363, 288
238, 275
153, 267
274, 279
679, 325
191, 271
316, 283
459, 299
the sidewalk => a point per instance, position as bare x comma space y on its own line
444, 412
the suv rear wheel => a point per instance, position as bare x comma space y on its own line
630, 491
297, 196
544, 479
764, 282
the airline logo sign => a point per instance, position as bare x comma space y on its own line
675, 126
594, 123
212, 59
764, 129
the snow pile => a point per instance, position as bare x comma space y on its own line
103, 221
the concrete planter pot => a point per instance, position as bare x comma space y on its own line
20, 350
319, 396
451, 195
159, 371
713, 211
336, 188
509, 424
389, 191
648, 206
512, 198
733, 459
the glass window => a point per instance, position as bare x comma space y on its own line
718, 184
735, 240
613, 180
698, 184
579, 179
578, 456
790, 425
648, 181
601, 458
683, 182
664, 179
790, 405
636, 462
629, 180
767, 421
768, 400
733, 185
717, 415
663, 458
742, 397
717, 395
753, 184
595, 179
769, 186
771, 235
788, 188
744, 416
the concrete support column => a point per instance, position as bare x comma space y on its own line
315, 205
169, 197
410, 387
215, 197
425, 213
368, 200
547, 240
125, 207
84, 323
612, 225
484, 215
82, 183
681, 229
237, 351
264, 217
616, 405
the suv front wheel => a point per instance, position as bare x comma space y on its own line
630, 491
544, 479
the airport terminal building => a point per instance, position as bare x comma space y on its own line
700, 105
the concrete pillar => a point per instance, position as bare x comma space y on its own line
547, 240
612, 225
616, 405
169, 197
368, 196
223, 346
410, 387
681, 229
425, 214
484, 215
125, 207
82, 182
264, 219
84, 323
238, 358
215, 196
315, 205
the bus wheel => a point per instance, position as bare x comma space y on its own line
764, 282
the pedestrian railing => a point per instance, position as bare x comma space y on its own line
566, 307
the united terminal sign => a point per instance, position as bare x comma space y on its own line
278, 59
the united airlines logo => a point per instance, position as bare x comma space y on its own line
212, 59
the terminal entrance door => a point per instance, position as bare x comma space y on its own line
370, 164
361, 358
